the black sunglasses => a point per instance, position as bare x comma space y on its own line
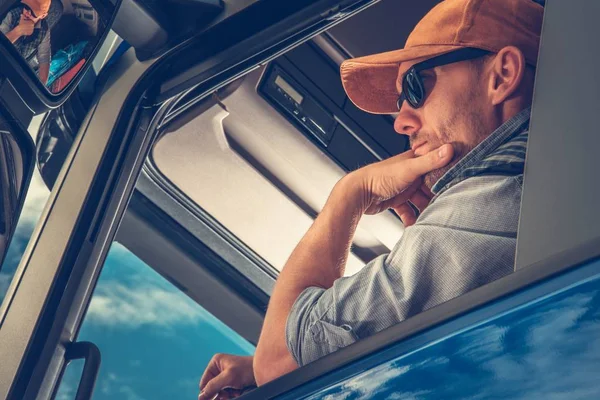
413, 90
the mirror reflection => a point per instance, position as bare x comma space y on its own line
55, 37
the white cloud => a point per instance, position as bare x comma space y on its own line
129, 393
115, 304
142, 297
66, 391
35, 200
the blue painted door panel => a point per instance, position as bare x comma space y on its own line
541, 343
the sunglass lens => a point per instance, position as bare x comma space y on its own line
413, 89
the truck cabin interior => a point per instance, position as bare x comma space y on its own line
257, 160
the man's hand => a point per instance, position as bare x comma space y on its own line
226, 376
25, 26
394, 182
320, 257
420, 199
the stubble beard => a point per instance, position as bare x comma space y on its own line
450, 134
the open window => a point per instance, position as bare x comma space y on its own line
262, 153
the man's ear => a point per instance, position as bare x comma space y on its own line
508, 69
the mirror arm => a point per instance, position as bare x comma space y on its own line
136, 25
104, 12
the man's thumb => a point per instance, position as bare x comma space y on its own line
435, 159
215, 385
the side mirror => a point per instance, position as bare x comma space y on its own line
17, 155
49, 44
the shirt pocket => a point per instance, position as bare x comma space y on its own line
333, 336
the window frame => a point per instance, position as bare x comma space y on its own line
214, 276
206, 229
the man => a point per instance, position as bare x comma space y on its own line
27, 30
462, 88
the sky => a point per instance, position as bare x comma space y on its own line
154, 340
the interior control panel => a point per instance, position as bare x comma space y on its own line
306, 89
305, 111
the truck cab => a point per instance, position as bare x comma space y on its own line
152, 199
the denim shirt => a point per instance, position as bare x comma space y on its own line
464, 239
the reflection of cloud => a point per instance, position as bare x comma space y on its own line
557, 357
117, 304
549, 350
475, 348
337, 396
368, 386
421, 394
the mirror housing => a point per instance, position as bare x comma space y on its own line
61, 44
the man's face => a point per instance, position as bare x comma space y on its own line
455, 111
39, 10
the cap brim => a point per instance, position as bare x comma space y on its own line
370, 82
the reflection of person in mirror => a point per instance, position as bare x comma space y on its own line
26, 27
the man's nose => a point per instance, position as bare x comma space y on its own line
407, 121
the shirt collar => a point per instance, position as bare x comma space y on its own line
501, 135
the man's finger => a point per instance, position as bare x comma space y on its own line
419, 200
406, 214
425, 189
403, 196
212, 388
210, 372
433, 160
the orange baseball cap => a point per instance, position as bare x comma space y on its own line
370, 81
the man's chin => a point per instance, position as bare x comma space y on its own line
431, 178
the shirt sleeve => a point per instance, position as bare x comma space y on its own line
7, 23
459, 243
43, 53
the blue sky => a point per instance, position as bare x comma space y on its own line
154, 340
